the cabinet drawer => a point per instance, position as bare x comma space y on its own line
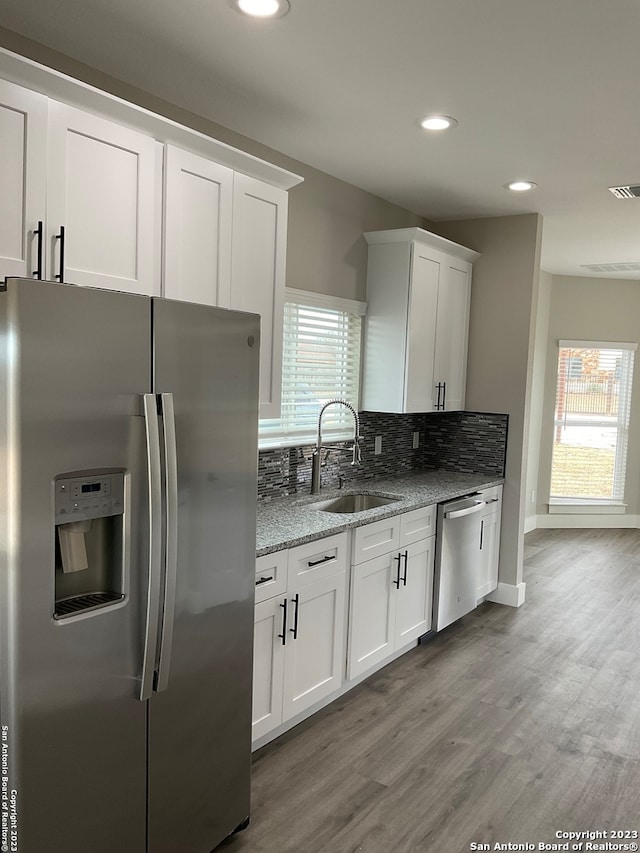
321, 558
271, 575
417, 524
379, 537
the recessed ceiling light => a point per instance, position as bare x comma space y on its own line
520, 186
261, 8
437, 122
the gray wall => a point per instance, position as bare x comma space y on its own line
501, 338
591, 309
537, 399
326, 251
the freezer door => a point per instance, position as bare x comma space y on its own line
74, 362
200, 720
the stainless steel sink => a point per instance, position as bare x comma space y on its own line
352, 503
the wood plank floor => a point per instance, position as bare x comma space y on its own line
510, 726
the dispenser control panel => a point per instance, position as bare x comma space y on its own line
84, 498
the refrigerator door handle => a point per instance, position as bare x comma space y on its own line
171, 540
154, 470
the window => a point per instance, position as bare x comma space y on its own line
593, 397
320, 362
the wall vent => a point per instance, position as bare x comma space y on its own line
625, 192
609, 268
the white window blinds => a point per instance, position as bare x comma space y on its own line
320, 362
593, 397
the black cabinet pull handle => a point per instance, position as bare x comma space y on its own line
441, 388
481, 533
264, 580
322, 560
396, 582
61, 237
283, 636
406, 560
40, 235
294, 630
444, 396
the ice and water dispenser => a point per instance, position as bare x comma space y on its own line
89, 524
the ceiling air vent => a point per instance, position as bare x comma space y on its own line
625, 192
630, 267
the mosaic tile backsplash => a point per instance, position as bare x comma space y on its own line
468, 442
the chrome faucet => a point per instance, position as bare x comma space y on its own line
355, 450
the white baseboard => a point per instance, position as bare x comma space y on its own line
570, 520
530, 523
507, 593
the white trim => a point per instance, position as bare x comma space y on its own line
597, 345
324, 300
510, 594
584, 521
426, 238
530, 523
32, 75
576, 506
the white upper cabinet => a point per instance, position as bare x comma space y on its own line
258, 261
418, 293
132, 201
101, 190
198, 205
23, 131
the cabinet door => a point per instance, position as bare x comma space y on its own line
197, 228
452, 333
315, 643
101, 188
372, 613
268, 666
489, 553
415, 595
257, 277
421, 334
23, 131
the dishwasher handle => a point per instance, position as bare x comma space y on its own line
468, 510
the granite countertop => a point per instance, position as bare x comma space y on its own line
286, 522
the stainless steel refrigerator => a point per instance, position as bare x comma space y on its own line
128, 455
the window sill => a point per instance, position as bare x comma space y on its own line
577, 506
282, 443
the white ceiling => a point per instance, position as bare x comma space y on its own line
542, 89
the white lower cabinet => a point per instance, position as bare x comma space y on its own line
302, 617
268, 667
490, 523
391, 594
299, 635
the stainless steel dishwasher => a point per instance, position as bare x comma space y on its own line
457, 559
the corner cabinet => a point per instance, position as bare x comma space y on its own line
418, 294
